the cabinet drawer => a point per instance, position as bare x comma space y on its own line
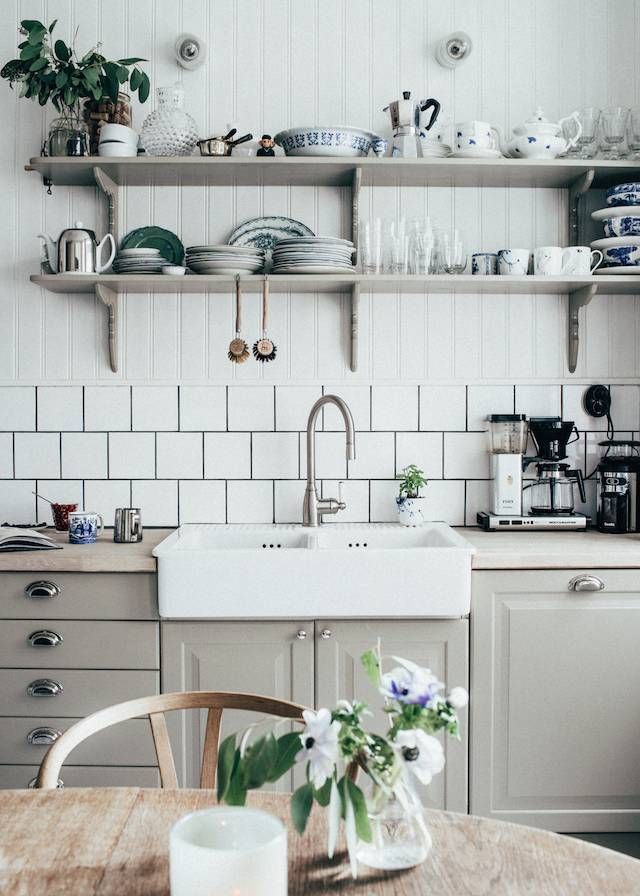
81, 691
63, 644
19, 777
128, 743
78, 595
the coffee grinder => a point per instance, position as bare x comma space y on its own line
618, 495
404, 116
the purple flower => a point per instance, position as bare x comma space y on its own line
411, 684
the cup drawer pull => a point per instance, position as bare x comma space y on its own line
32, 783
43, 735
45, 638
42, 589
586, 583
44, 687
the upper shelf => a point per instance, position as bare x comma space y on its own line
197, 170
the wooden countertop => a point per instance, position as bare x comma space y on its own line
103, 556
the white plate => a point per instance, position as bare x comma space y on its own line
222, 247
612, 241
312, 269
620, 269
228, 271
134, 253
476, 154
245, 259
314, 241
263, 233
616, 211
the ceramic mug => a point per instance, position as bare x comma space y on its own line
514, 262
84, 527
581, 260
550, 260
484, 263
476, 135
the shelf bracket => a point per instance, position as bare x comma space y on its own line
355, 310
109, 299
110, 190
577, 189
577, 300
356, 183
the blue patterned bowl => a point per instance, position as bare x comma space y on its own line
623, 225
320, 140
621, 255
631, 197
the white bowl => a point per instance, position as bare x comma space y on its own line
117, 149
175, 270
325, 140
119, 133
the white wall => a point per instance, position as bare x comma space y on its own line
274, 63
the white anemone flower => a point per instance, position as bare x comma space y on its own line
411, 684
420, 753
458, 698
319, 745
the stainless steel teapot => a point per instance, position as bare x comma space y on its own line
77, 251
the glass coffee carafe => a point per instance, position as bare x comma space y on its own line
552, 494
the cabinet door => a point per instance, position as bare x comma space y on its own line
442, 645
270, 658
555, 723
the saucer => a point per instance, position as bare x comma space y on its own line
616, 211
619, 269
612, 241
476, 154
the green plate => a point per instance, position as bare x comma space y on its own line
156, 238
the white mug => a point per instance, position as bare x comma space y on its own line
549, 260
514, 262
581, 260
475, 135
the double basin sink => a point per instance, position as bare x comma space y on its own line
339, 570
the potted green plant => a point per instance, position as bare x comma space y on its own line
410, 504
49, 71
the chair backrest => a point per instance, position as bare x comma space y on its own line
155, 707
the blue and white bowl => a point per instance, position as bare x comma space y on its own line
622, 225
325, 140
624, 194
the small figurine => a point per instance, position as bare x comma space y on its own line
266, 146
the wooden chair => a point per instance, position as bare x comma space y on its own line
155, 707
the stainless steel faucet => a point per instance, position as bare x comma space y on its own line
314, 507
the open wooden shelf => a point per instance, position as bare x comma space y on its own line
323, 171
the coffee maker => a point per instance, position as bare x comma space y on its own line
618, 494
551, 494
405, 116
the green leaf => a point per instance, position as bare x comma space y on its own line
371, 664
136, 79
91, 76
257, 762
301, 805
122, 73
36, 34
69, 96
38, 64
31, 51
236, 794
323, 796
30, 24
226, 755
52, 26
131, 61
62, 51
355, 795
61, 78
288, 747
145, 87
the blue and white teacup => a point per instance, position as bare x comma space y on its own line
475, 135
379, 146
84, 527
514, 262
484, 263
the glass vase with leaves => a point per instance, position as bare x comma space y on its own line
53, 71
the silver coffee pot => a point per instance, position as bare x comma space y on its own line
77, 251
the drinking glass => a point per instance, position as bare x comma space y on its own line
589, 118
613, 124
371, 246
420, 247
395, 256
454, 257
633, 133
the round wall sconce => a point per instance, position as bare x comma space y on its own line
190, 51
452, 50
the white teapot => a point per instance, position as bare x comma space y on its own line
538, 138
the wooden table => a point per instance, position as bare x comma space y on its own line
114, 842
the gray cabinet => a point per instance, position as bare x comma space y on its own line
442, 645
555, 717
270, 658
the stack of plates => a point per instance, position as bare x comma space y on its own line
312, 255
434, 149
139, 261
224, 260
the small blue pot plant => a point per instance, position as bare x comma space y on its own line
411, 507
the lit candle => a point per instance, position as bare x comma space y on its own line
228, 851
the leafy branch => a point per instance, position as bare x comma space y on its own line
412, 480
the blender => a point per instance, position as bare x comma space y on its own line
507, 445
618, 495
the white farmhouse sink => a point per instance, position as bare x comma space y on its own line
335, 571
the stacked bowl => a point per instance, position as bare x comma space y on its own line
224, 260
139, 261
621, 219
312, 255
117, 140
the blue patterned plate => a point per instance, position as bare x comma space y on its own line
264, 233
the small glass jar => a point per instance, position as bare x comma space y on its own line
68, 136
169, 130
400, 838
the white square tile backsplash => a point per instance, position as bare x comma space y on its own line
59, 408
18, 408
241, 474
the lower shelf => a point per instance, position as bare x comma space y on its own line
106, 288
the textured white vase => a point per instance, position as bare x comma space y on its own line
411, 511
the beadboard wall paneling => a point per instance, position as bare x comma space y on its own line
274, 63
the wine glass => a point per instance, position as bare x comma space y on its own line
613, 123
454, 257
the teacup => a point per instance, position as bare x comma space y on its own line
581, 260
84, 527
514, 262
484, 263
550, 260
475, 135
379, 146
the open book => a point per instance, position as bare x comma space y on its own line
14, 539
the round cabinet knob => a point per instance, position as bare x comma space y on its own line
301, 634
325, 634
42, 589
586, 583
